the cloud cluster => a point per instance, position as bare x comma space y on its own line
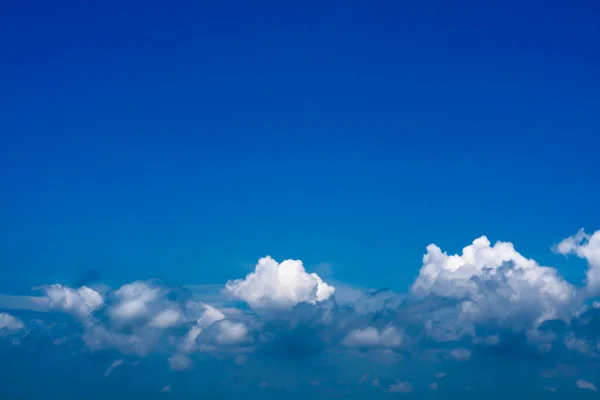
488, 300
494, 284
280, 285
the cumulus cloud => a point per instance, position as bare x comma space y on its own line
81, 302
279, 285
132, 300
372, 337
492, 283
9, 324
229, 333
166, 319
585, 246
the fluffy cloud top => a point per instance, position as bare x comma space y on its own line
81, 302
588, 247
495, 282
229, 333
9, 323
280, 285
133, 300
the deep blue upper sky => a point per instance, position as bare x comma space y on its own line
143, 139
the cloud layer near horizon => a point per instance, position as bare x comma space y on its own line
488, 300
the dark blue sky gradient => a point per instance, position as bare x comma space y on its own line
181, 141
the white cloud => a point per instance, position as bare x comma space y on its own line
166, 319
371, 337
585, 246
210, 315
488, 287
461, 354
166, 389
230, 333
279, 285
585, 385
8, 323
492, 282
133, 300
81, 302
433, 386
400, 387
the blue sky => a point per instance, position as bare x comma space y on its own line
183, 142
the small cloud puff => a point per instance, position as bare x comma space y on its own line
230, 333
180, 362
10, 324
279, 285
81, 302
166, 319
585, 385
584, 246
371, 337
133, 301
460, 354
400, 387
